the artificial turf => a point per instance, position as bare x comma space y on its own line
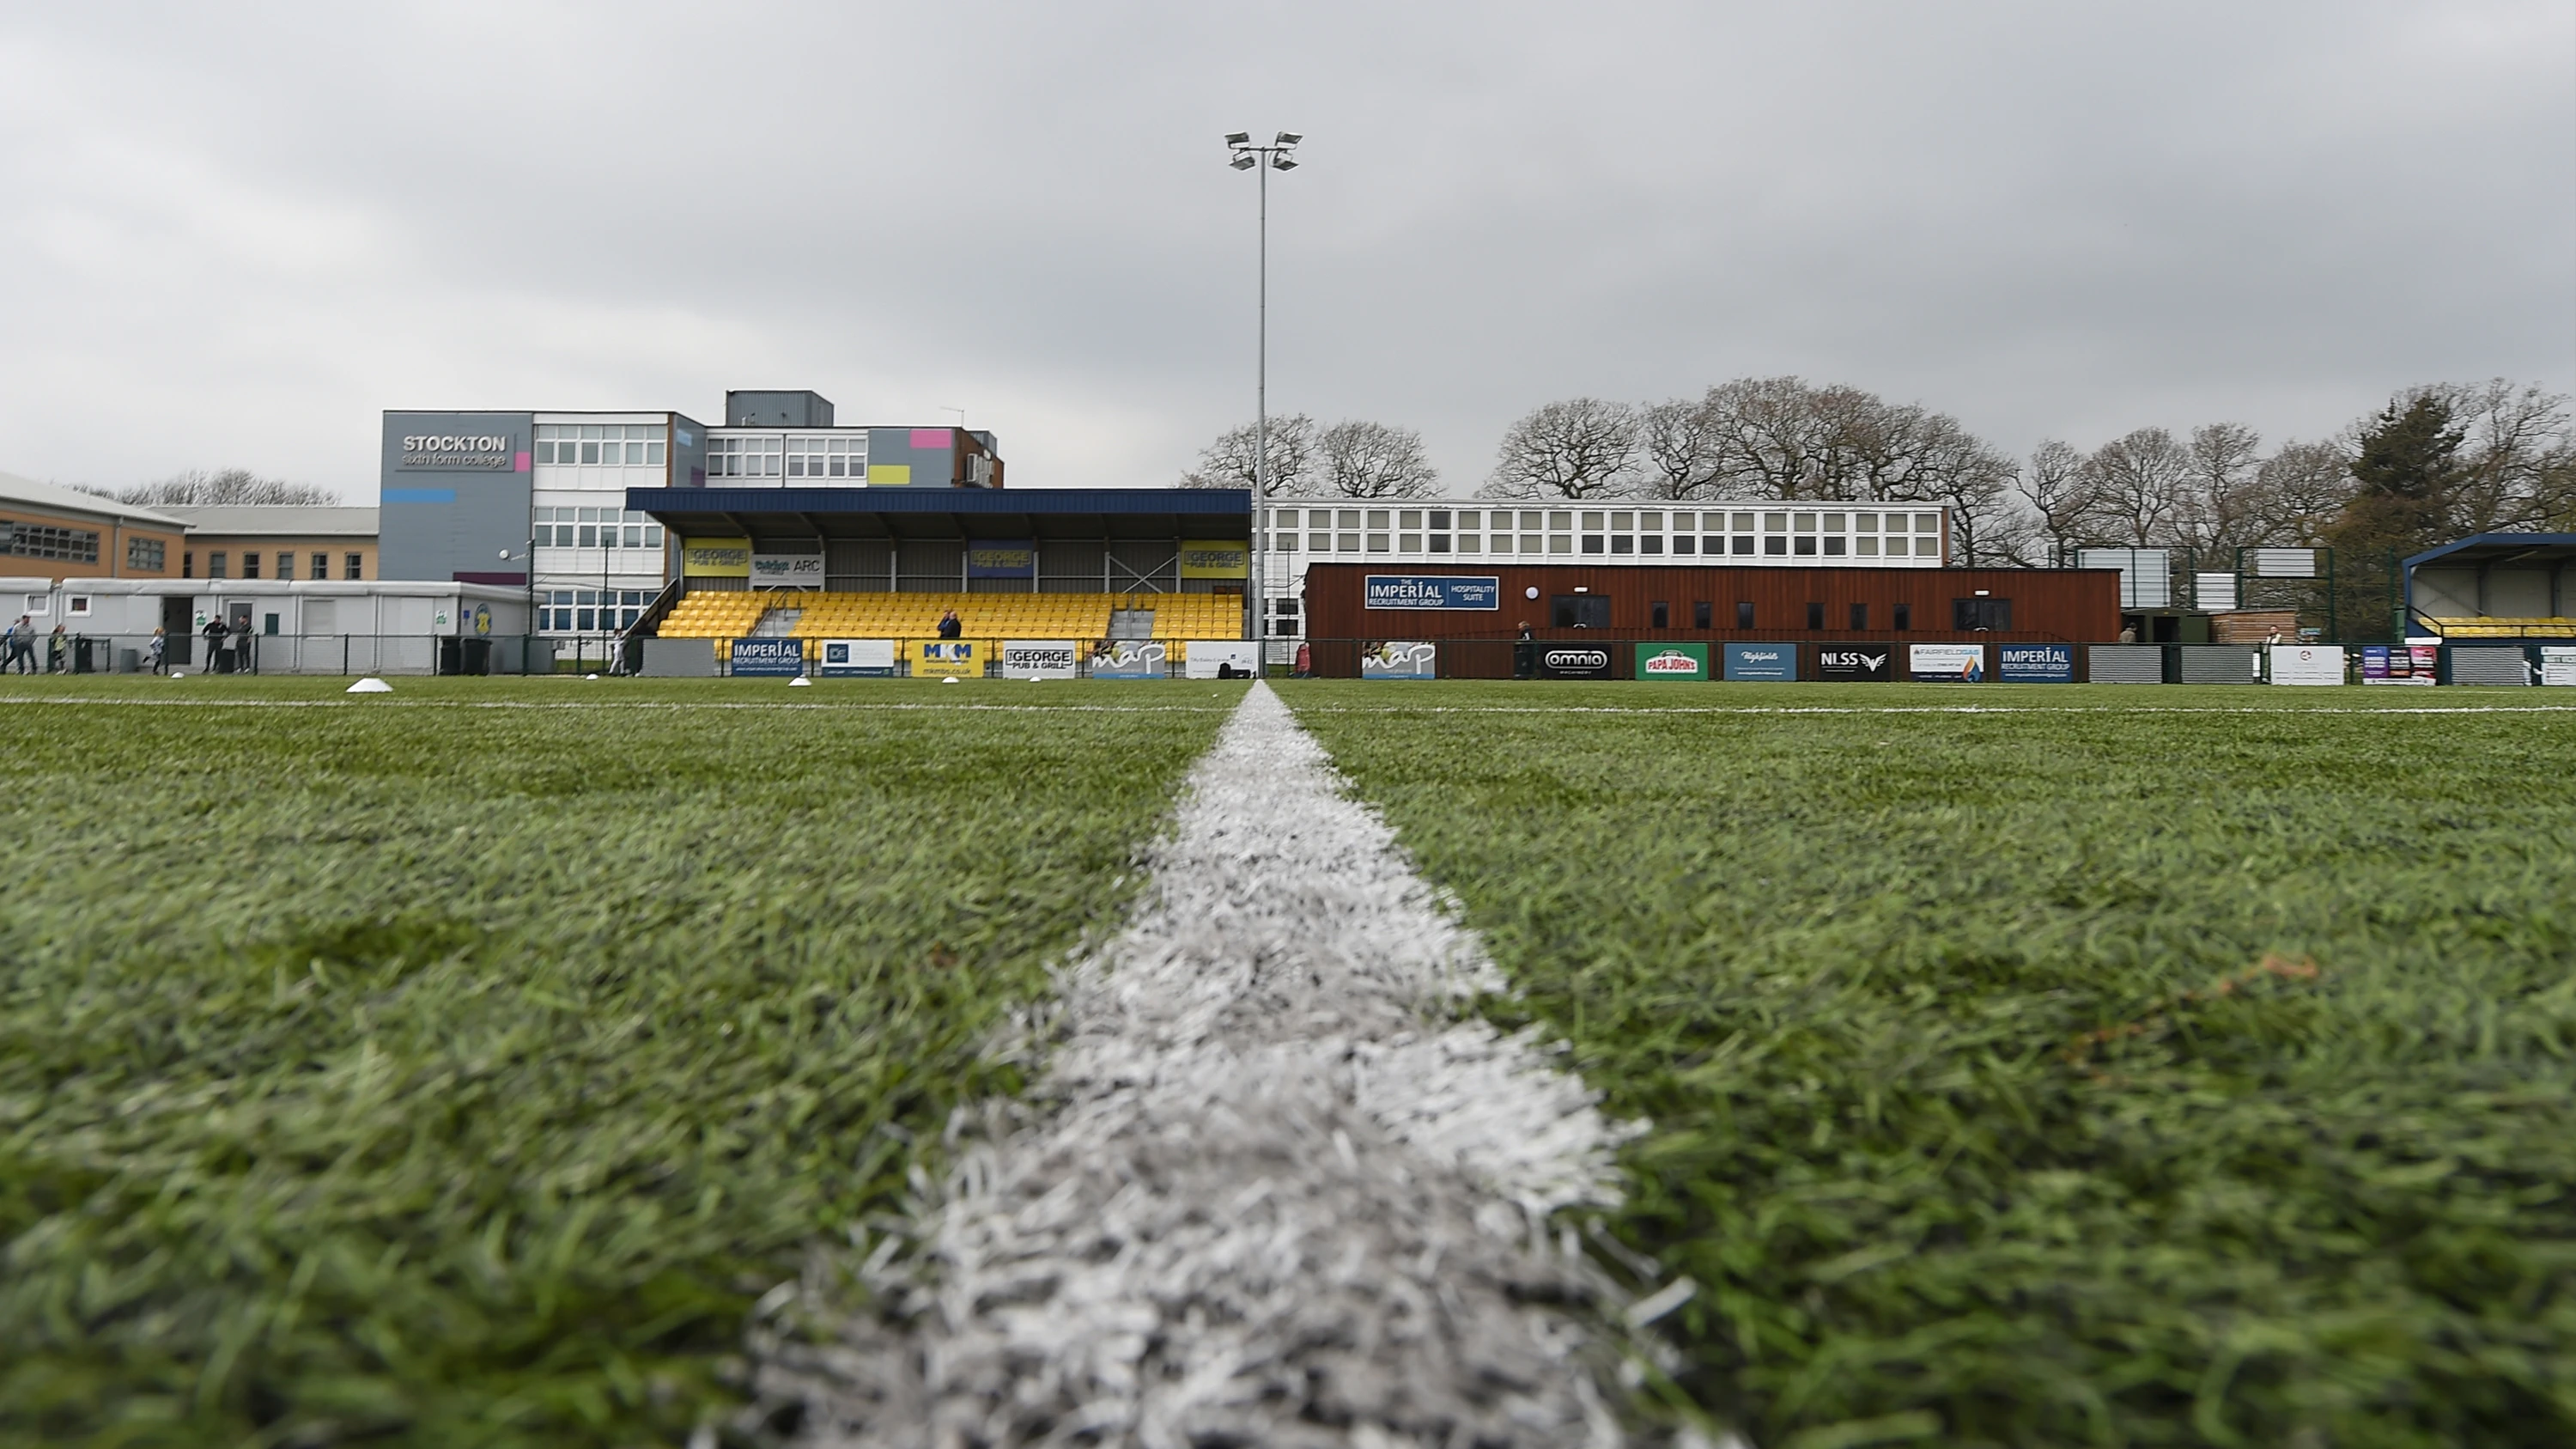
456, 1066
2152, 1067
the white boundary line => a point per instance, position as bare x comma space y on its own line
1653, 709
828, 707
1277, 1191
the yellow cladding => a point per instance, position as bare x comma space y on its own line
731, 613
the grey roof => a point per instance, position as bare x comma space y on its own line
277, 520
54, 497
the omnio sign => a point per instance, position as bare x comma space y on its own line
460, 450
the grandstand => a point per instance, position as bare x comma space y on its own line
2494, 586
1077, 565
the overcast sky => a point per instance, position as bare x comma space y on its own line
234, 234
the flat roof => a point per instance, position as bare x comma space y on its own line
805, 514
278, 520
55, 498
2489, 549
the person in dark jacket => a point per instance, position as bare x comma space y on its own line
1525, 652
216, 631
950, 626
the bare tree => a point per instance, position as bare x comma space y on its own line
1373, 460
1683, 447
1228, 462
2516, 456
2142, 480
198, 488
1770, 436
1580, 448
2221, 512
2060, 494
2298, 491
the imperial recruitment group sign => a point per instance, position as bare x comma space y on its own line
1432, 591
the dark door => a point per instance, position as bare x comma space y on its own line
245, 648
178, 627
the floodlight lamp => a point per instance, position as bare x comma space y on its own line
1244, 163
1290, 138
1283, 163
1238, 138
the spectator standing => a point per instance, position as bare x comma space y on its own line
1305, 660
215, 631
1525, 652
950, 626
58, 652
21, 653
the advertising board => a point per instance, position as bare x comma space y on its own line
1672, 661
946, 658
715, 558
1848, 662
858, 658
2307, 664
787, 571
2558, 664
1399, 659
2035, 663
753, 658
1010, 558
2400, 663
1573, 661
1431, 591
1950, 663
1215, 558
1039, 659
1220, 658
1760, 662
1127, 659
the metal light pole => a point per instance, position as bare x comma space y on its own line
1281, 155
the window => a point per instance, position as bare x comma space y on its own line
1833, 523
1867, 546
1377, 543
1558, 543
1377, 517
215, 564
1744, 614
1775, 544
1623, 543
321, 565
756, 458
1860, 616
1806, 523
1700, 614
352, 567
1558, 521
1351, 518
1979, 615
1904, 617
1502, 543
1591, 543
606, 445
250, 564
1865, 523
1410, 543
1927, 523
1815, 616
1772, 522
1350, 542
1580, 611
285, 566
1744, 543
187, 565
1834, 545
1806, 545
1651, 543
1682, 543
150, 555
1659, 615
1411, 518
44, 540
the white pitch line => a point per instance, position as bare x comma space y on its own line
1656, 709
1271, 1189
961, 707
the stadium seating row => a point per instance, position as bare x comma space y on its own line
2491, 628
732, 614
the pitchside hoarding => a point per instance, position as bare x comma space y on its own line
1431, 591
1574, 661
1948, 663
2307, 664
1848, 663
1399, 659
858, 658
1127, 659
1672, 661
2557, 664
753, 658
1762, 662
946, 658
1039, 659
2035, 663
2400, 663
1206, 658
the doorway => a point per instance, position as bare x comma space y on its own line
1579, 611
178, 629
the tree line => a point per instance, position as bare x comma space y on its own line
2437, 462
198, 487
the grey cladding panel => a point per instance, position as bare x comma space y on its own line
2217, 664
2488, 666
2126, 664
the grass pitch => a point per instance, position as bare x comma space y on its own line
2161, 1066
456, 1066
